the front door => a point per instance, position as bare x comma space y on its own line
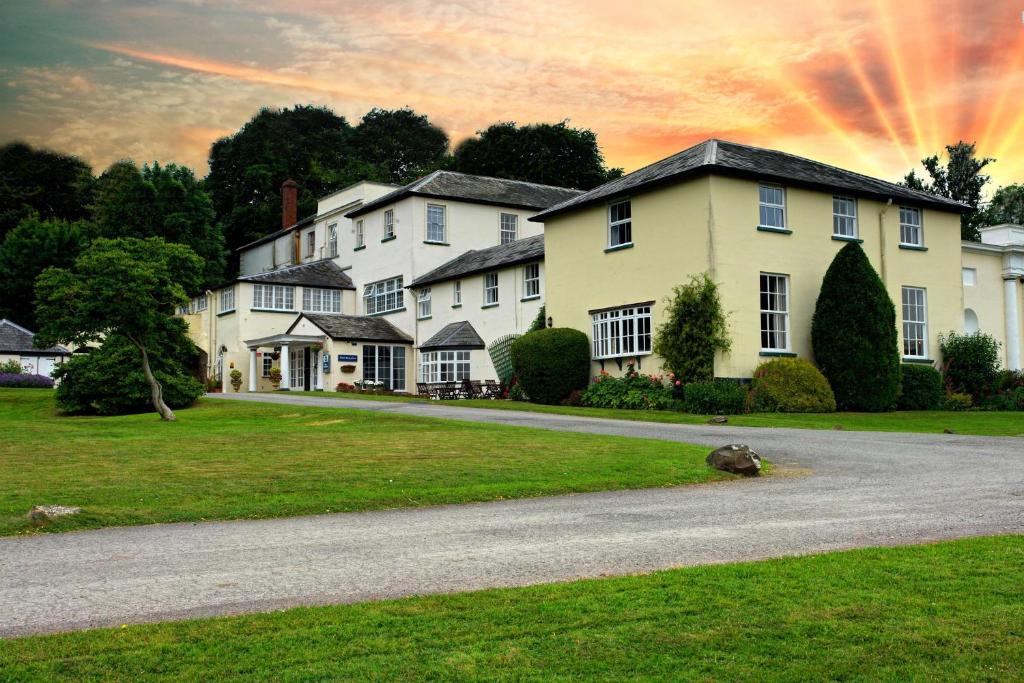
297, 368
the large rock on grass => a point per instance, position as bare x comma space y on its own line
42, 514
735, 458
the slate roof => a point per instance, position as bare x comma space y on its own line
16, 339
308, 220
474, 261
474, 188
356, 327
323, 273
721, 157
460, 335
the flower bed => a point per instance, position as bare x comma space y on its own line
25, 381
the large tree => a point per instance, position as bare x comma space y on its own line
400, 143
161, 201
45, 183
310, 145
959, 178
34, 245
1007, 206
552, 154
124, 287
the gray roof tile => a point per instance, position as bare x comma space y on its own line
356, 327
733, 159
323, 273
16, 339
460, 335
474, 261
477, 189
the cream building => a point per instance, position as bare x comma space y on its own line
18, 344
765, 226
993, 273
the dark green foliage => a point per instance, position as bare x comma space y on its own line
109, 380
693, 331
550, 363
921, 388
34, 245
401, 143
1007, 206
37, 181
970, 363
161, 201
310, 145
632, 391
717, 397
540, 322
551, 154
1008, 380
790, 385
960, 179
853, 333
11, 367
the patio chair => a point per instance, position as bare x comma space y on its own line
492, 389
449, 391
422, 389
477, 389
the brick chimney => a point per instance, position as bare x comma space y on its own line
289, 203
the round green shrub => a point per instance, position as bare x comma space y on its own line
550, 363
970, 363
853, 333
717, 397
921, 388
790, 385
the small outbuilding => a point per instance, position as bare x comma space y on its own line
17, 343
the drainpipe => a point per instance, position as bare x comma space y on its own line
881, 240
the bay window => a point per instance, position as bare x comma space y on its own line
444, 366
622, 332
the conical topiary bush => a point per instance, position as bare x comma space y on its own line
854, 334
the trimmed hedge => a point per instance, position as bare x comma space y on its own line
853, 333
921, 388
717, 397
551, 363
790, 385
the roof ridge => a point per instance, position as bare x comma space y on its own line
510, 180
16, 325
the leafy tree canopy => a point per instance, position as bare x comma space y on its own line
960, 178
46, 183
551, 154
1007, 206
161, 201
400, 143
34, 245
128, 287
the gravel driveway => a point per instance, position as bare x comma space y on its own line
835, 490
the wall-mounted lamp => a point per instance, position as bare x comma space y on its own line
551, 323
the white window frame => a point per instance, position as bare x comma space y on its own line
969, 276
445, 366
914, 305
384, 296
360, 234
268, 364
457, 293
198, 304
618, 227
389, 223
395, 370
319, 300
423, 304
437, 231
621, 332
332, 239
273, 297
767, 208
774, 313
311, 244
509, 227
491, 288
226, 300
531, 281
911, 232
844, 217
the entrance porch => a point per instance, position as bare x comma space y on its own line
298, 357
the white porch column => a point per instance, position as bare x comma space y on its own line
285, 367
1012, 316
252, 370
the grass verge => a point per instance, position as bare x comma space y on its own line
951, 611
233, 460
978, 423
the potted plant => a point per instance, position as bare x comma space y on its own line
236, 380
275, 377
213, 385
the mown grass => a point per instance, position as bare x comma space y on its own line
233, 460
951, 611
979, 423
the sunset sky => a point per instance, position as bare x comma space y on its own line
872, 85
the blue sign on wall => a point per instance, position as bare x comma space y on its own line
343, 358
327, 363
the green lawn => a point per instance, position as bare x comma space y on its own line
952, 612
230, 460
981, 423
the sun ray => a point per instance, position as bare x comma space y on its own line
995, 113
925, 15
896, 63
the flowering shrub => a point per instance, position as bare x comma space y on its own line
633, 391
11, 367
369, 383
25, 381
345, 387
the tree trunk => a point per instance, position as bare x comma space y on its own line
155, 390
